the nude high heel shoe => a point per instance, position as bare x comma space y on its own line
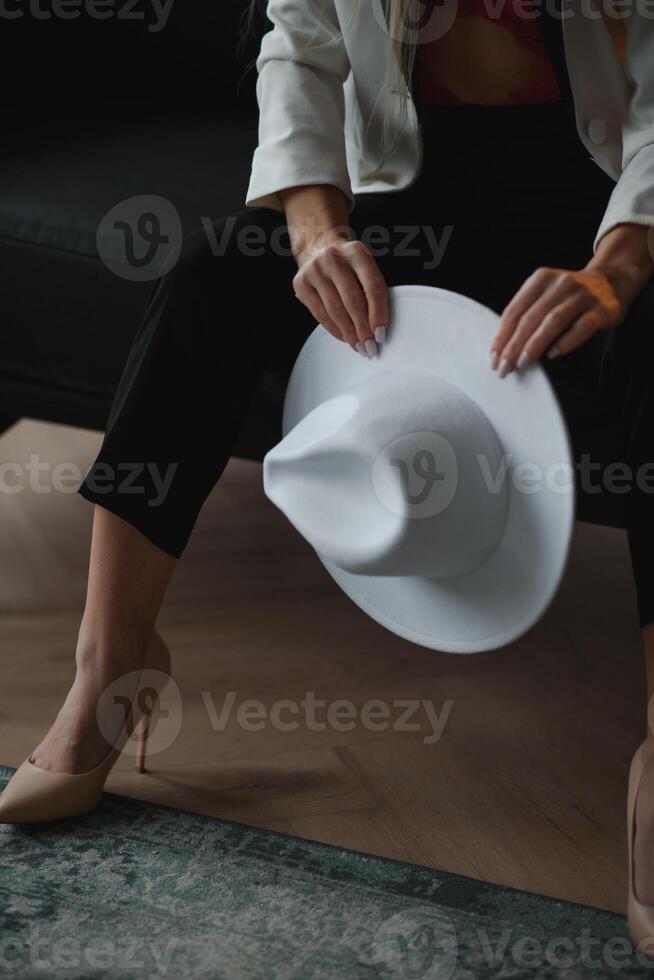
35, 795
640, 917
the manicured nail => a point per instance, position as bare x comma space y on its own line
380, 334
505, 368
523, 361
371, 348
553, 352
495, 360
360, 349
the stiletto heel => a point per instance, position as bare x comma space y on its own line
35, 795
142, 732
640, 917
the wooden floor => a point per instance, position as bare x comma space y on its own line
526, 785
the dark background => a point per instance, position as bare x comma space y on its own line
200, 53
96, 112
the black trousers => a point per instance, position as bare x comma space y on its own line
502, 191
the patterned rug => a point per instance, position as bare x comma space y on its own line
141, 891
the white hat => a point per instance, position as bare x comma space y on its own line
439, 496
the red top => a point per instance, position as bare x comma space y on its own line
526, 30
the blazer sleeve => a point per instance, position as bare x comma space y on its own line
632, 199
301, 67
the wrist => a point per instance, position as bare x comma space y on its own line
623, 256
316, 215
308, 242
626, 279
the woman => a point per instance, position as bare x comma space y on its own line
469, 172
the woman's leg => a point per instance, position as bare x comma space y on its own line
617, 366
212, 326
128, 577
626, 377
644, 841
543, 199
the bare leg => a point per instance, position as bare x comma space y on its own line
644, 842
128, 578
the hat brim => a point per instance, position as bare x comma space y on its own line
498, 601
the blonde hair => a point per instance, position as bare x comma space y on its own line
400, 61
402, 49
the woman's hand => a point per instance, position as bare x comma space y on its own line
342, 286
338, 280
557, 310
554, 311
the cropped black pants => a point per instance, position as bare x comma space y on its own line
502, 191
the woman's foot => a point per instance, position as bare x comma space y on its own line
644, 834
96, 707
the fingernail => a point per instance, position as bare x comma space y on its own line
371, 348
495, 360
553, 352
380, 334
505, 368
360, 349
523, 361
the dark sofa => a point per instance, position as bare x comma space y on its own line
109, 110
96, 112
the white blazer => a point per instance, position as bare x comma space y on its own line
322, 71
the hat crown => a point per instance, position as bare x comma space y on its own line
391, 477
